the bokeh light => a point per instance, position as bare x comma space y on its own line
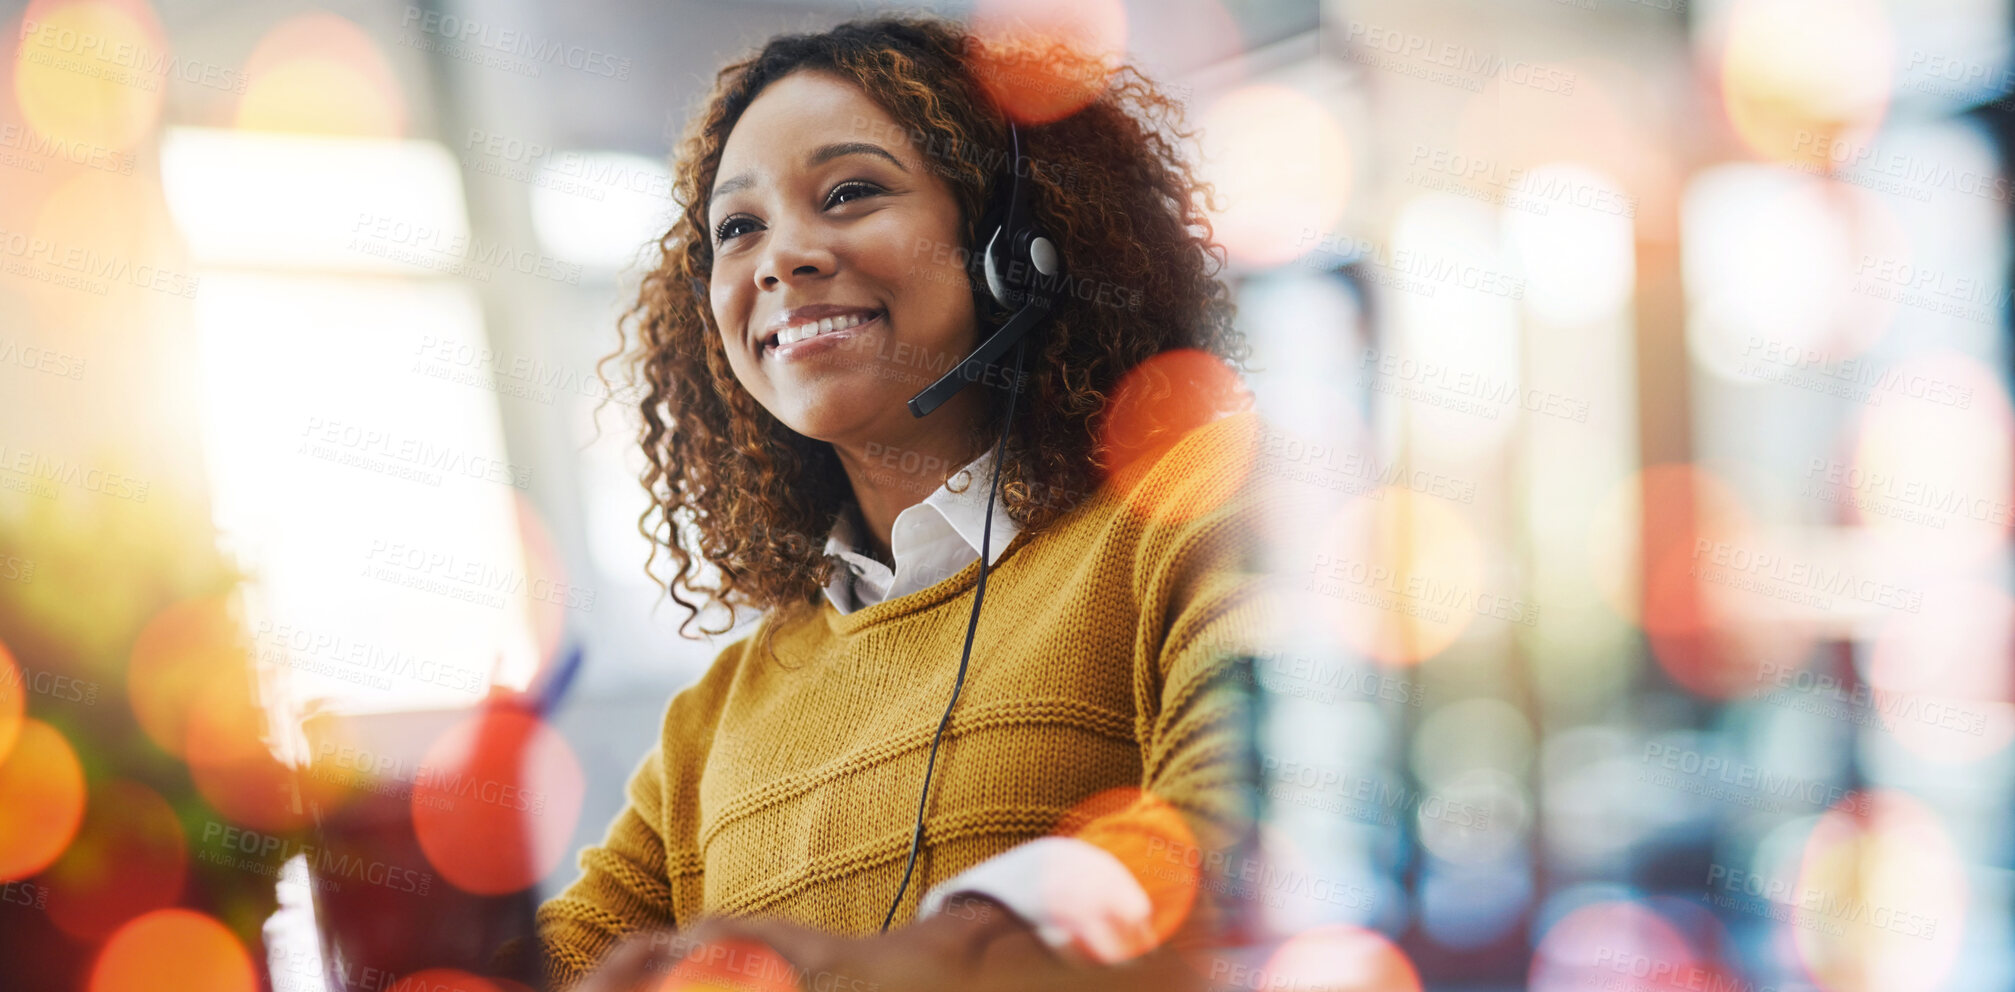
1577, 261
730, 964
321, 74
13, 701
1778, 268
1617, 943
1154, 842
1707, 593
190, 949
183, 651
1281, 165
1340, 959
1943, 686
41, 800
1041, 60
495, 801
1931, 467
1398, 575
129, 857
1159, 405
236, 770
1882, 894
1795, 67
77, 90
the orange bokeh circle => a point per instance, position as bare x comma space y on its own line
1340, 958
187, 948
1152, 840
13, 701
1158, 405
1043, 60
495, 801
182, 652
41, 800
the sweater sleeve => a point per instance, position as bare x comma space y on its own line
623, 887
1187, 835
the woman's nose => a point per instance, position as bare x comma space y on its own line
794, 253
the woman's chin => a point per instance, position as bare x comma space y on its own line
836, 411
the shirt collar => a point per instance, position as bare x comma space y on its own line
965, 512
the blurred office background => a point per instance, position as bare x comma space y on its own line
1644, 364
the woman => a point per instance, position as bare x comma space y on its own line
1091, 775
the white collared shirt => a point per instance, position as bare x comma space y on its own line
932, 541
1078, 898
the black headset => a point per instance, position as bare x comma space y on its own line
1022, 268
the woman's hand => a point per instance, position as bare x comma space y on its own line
975, 943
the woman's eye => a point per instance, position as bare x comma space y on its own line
853, 189
731, 227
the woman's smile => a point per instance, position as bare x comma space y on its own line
809, 331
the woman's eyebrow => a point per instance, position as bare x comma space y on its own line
826, 153
727, 186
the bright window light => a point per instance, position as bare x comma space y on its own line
299, 201
372, 501
601, 210
357, 474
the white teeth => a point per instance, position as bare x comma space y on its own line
799, 332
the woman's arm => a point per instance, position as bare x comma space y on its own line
623, 888
626, 881
1204, 613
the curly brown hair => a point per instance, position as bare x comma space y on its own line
753, 497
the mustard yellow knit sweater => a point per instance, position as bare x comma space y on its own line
787, 787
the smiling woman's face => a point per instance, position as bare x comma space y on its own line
820, 222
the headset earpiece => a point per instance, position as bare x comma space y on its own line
1023, 269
